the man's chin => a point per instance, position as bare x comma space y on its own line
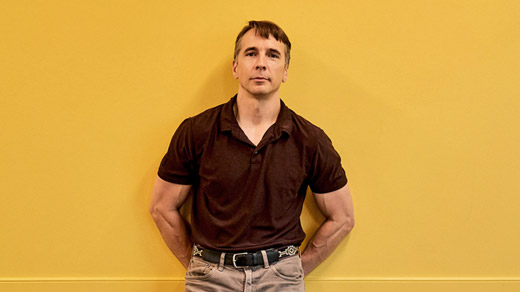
259, 92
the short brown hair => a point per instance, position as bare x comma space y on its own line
265, 29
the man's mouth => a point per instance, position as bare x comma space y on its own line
260, 78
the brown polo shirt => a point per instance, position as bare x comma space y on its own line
248, 197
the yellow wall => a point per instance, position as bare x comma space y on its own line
421, 99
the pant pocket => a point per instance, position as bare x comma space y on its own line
288, 269
200, 269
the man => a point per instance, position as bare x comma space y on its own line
248, 164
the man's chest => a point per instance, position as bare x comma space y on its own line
232, 165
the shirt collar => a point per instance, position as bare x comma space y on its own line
228, 120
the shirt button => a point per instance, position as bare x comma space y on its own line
256, 152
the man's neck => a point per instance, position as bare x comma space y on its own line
257, 111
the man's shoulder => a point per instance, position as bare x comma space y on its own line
205, 120
305, 127
209, 114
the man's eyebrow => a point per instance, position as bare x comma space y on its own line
274, 51
271, 50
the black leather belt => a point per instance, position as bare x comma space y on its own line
245, 259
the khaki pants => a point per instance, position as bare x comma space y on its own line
285, 275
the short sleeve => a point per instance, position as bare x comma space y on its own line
178, 164
327, 174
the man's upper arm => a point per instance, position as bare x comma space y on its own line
167, 196
337, 205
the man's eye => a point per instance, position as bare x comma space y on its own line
250, 54
274, 56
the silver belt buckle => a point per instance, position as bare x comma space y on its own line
235, 258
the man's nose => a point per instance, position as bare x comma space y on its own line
260, 63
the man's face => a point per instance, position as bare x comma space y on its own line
260, 65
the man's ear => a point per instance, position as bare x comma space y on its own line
285, 73
234, 67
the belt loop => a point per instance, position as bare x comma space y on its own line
222, 260
264, 257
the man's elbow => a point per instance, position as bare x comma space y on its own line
155, 211
161, 213
347, 226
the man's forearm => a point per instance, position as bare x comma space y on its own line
323, 243
176, 234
